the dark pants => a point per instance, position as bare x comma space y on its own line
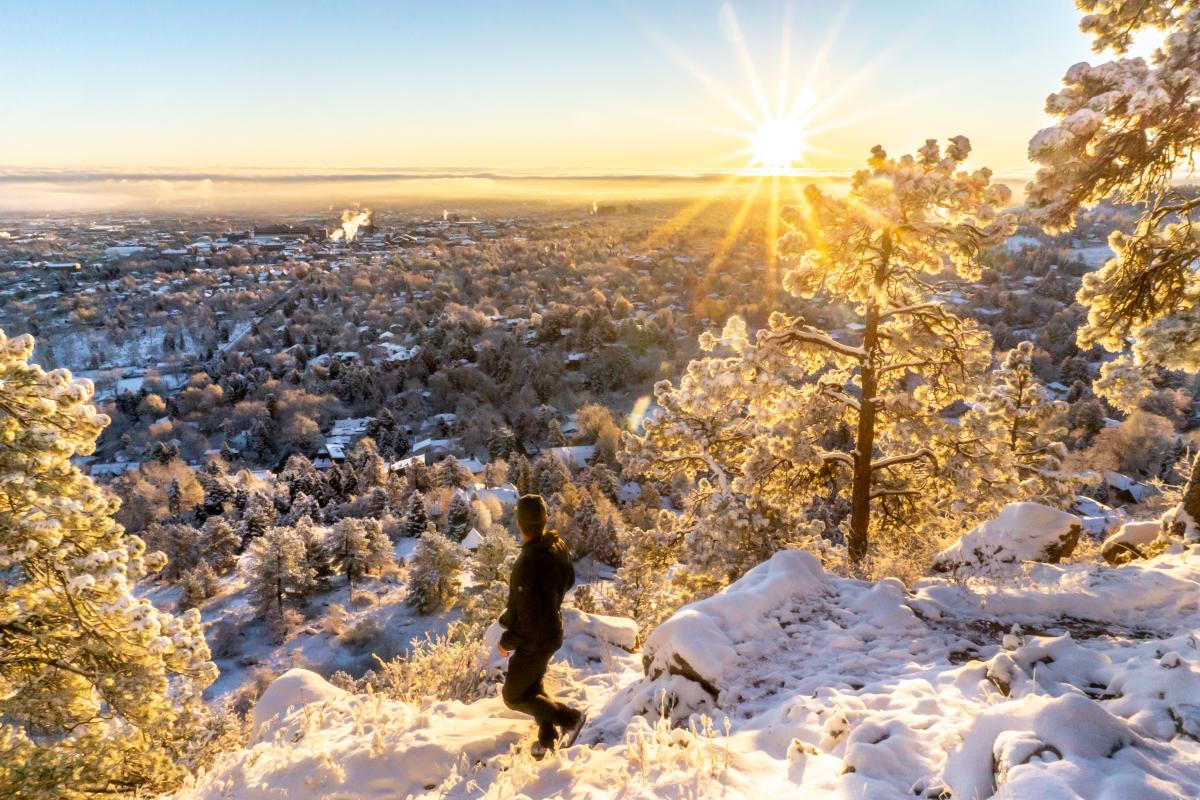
524, 691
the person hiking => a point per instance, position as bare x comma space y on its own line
533, 628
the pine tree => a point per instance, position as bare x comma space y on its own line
257, 516
197, 585
433, 584
179, 543
318, 556
1126, 130
350, 546
490, 565
550, 475
520, 472
416, 517
219, 544
174, 498
554, 434
794, 414
458, 518
279, 575
99, 690
380, 554
1022, 429
451, 475
302, 506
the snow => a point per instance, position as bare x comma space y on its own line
1131, 539
1055, 681
291, 690
701, 636
1020, 532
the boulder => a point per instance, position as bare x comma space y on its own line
1020, 532
1130, 541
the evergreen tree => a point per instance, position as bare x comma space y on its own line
174, 498
179, 543
554, 434
1126, 130
433, 584
350, 546
458, 518
100, 691
380, 554
501, 442
219, 544
280, 577
490, 565
257, 516
302, 506
1021, 429
550, 475
416, 517
197, 585
520, 472
794, 415
451, 474
318, 556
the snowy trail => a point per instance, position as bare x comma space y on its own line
824, 687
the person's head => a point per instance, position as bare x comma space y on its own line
531, 515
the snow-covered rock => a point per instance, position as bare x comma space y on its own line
1130, 541
1064, 747
291, 690
699, 641
1020, 532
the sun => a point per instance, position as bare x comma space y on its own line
777, 143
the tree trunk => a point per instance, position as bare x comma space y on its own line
864, 441
1190, 502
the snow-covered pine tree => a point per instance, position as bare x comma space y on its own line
433, 584
520, 472
550, 474
380, 554
302, 505
643, 588
490, 565
318, 558
416, 517
180, 543
795, 416
1022, 429
257, 516
350, 547
458, 518
1128, 130
451, 474
219, 544
279, 575
99, 690
197, 585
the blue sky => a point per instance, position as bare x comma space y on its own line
508, 85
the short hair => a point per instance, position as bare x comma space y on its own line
531, 513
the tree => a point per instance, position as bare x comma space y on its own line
796, 418
100, 691
521, 473
318, 556
197, 585
490, 565
550, 474
496, 473
458, 518
219, 544
350, 546
416, 517
451, 474
433, 584
280, 578
1127, 130
1021, 428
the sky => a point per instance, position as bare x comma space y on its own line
139, 93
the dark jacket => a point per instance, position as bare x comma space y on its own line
541, 575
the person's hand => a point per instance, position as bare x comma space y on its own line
503, 652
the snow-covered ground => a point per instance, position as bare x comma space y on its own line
1053, 681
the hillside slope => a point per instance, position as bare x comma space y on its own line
1076, 681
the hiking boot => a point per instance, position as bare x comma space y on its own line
539, 750
573, 727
